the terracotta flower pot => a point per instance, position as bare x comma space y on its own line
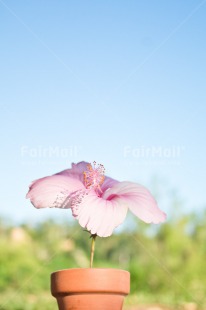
90, 288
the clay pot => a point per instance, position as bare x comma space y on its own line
90, 288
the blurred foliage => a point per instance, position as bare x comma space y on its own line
167, 262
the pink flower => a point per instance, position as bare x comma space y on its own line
98, 202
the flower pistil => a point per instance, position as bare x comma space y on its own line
94, 177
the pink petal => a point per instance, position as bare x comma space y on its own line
98, 215
138, 199
76, 171
108, 183
53, 191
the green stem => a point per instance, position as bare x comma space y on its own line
92, 250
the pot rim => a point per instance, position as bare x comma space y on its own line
94, 280
94, 269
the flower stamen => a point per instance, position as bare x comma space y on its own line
94, 176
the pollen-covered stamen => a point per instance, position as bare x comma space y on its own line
94, 176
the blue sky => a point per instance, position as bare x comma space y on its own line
119, 82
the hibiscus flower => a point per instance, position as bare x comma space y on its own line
98, 202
